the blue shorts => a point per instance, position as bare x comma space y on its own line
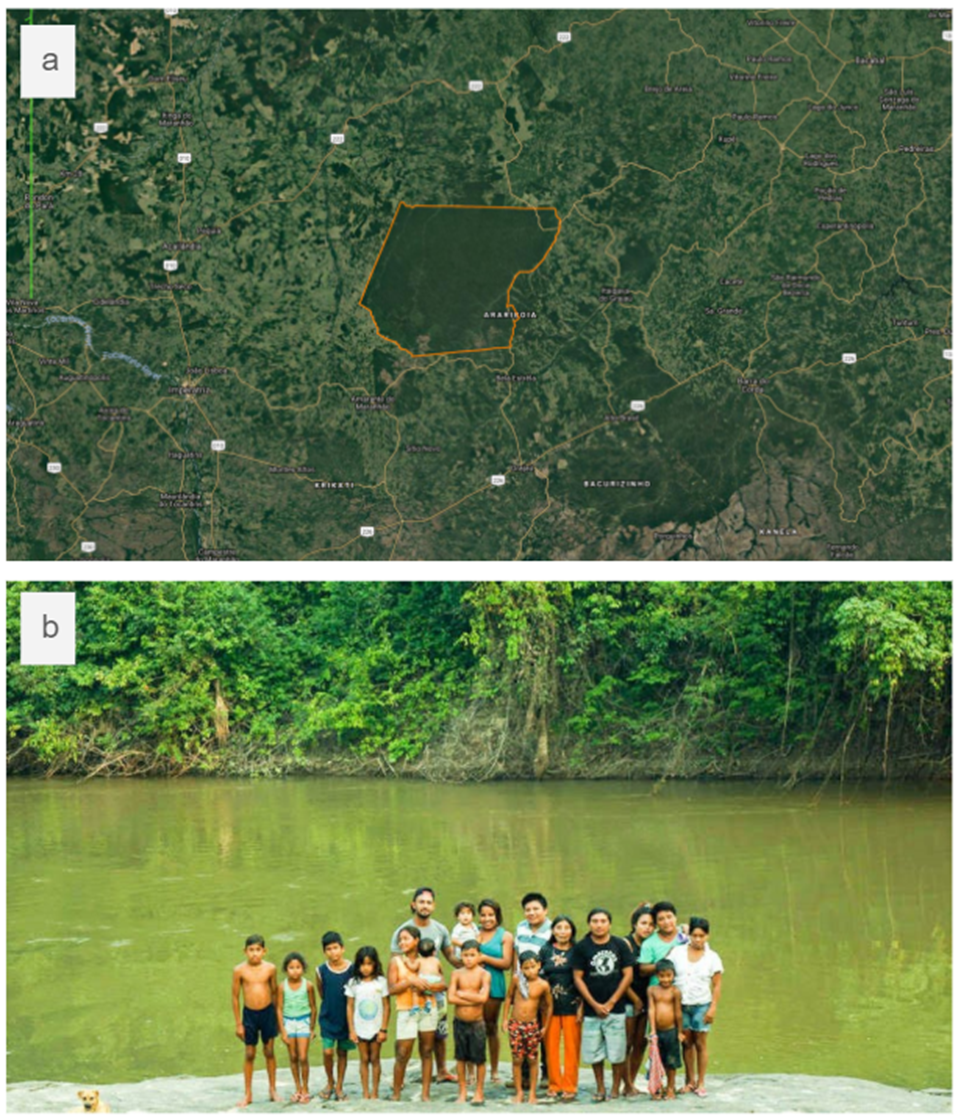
694, 1017
297, 1027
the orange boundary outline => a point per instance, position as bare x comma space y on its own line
510, 307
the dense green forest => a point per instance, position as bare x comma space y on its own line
474, 681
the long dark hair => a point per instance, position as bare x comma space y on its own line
570, 921
368, 952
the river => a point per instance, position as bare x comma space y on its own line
128, 903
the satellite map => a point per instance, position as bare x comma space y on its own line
443, 285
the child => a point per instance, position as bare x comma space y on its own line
667, 1022
368, 1013
527, 1018
470, 987
297, 1016
465, 927
698, 970
332, 978
430, 970
414, 1023
257, 979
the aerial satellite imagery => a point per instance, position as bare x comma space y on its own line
497, 285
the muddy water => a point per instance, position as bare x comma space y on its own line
128, 904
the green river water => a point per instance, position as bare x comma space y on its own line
128, 904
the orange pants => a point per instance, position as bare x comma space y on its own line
565, 1026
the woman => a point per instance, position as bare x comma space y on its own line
642, 925
557, 968
497, 956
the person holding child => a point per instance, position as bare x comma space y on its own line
414, 1021
422, 908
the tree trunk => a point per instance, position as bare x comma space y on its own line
542, 758
221, 717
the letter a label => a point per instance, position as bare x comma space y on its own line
48, 60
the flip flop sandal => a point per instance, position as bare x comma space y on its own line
701, 1093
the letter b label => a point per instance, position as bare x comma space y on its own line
47, 628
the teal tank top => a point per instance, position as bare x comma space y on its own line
296, 1003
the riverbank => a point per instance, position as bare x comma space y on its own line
744, 1092
444, 765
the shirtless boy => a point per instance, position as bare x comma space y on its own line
470, 988
526, 1020
667, 1022
258, 981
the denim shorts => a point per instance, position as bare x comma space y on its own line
694, 1017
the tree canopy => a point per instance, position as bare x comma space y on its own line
518, 678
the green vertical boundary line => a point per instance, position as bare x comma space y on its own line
31, 183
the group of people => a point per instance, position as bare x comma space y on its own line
560, 1001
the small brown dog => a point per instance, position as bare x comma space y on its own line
90, 1098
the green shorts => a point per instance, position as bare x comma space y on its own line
343, 1044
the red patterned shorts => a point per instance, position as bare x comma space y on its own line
525, 1039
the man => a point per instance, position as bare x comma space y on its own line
535, 930
422, 908
531, 935
603, 969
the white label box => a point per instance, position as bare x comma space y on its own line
48, 60
48, 627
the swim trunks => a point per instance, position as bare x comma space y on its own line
670, 1048
262, 1022
525, 1039
470, 1042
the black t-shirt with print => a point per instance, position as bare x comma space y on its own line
602, 965
557, 969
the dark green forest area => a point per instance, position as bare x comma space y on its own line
475, 681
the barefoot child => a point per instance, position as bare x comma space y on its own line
667, 1022
257, 980
368, 1013
699, 970
469, 989
297, 1016
332, 977
527, 1019
414, 1021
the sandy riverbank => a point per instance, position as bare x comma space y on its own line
736, 1093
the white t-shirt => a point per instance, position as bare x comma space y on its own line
694, 979
460, 934
368, 996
